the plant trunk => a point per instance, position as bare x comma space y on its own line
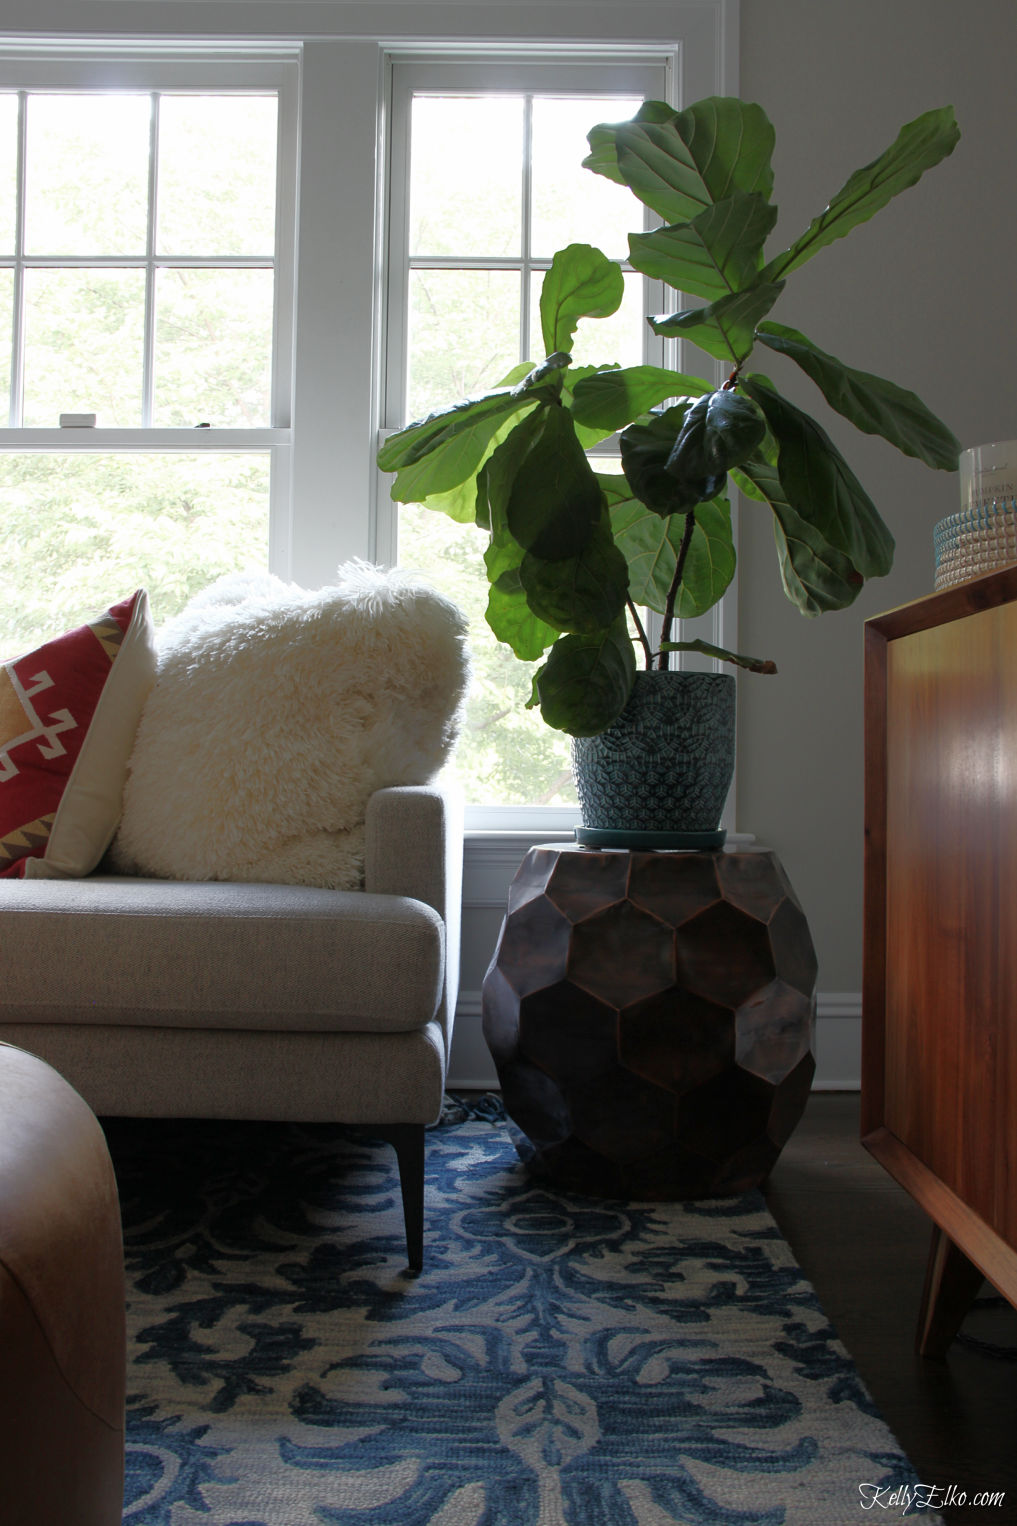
663, 658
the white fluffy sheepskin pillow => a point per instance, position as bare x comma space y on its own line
275, 715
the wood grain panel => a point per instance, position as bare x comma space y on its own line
940, 988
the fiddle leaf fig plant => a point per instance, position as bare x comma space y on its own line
574, 554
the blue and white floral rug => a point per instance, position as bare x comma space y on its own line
561, 1361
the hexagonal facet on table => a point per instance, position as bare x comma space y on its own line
622, 954
676, 1039
724, 954
752, 881
674, 886
654, 1176
568, 1033
534, 946
622, 1118
725, 1114
501, 1017
793, 954
530, 881
538, 1105
747, 1167
789, 1100
580, 883
773, 1030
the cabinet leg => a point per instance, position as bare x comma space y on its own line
951, 1283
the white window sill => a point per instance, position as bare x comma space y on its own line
528, 820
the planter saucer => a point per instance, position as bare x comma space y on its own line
605, 837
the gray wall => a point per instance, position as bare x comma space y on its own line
925, 294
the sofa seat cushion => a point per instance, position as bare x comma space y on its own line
112, 949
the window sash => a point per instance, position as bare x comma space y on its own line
159, 76
648, 74
177, 69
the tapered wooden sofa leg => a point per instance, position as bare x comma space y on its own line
407, 1139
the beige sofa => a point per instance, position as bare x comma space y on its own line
158, 998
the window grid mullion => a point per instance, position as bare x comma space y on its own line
139, 261
443, 262
148, 359
527, 227
17, 363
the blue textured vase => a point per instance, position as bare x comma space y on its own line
658, 776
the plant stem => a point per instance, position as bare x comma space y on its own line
672, 593
641, 633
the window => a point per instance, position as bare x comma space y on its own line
145, 301
143, 280
486, 184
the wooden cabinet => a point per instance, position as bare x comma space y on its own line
939, 1061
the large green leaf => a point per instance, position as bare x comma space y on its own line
417, 440
651, 545
615, 488
513, 621
581, 283
872, 404
508, 613
726, 328
586, 680
816, 576
645, 452
710, 561
603, 158
919, 146
718, 432
583, 593
588, 434
820, 486
610, 399
688, 160
498, 474
447, 449
555, 499
468, 503
719, 251
459, 503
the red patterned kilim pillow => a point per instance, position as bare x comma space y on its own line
68, 716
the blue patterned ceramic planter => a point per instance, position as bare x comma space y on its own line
659, 776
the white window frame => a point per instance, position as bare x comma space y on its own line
329, 503
653, 73
633, 72
137, 69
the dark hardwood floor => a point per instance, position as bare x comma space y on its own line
863, 1243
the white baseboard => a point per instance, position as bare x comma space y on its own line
838, 1044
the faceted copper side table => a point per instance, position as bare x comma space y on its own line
651, 1018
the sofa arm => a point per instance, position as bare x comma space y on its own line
414, 847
